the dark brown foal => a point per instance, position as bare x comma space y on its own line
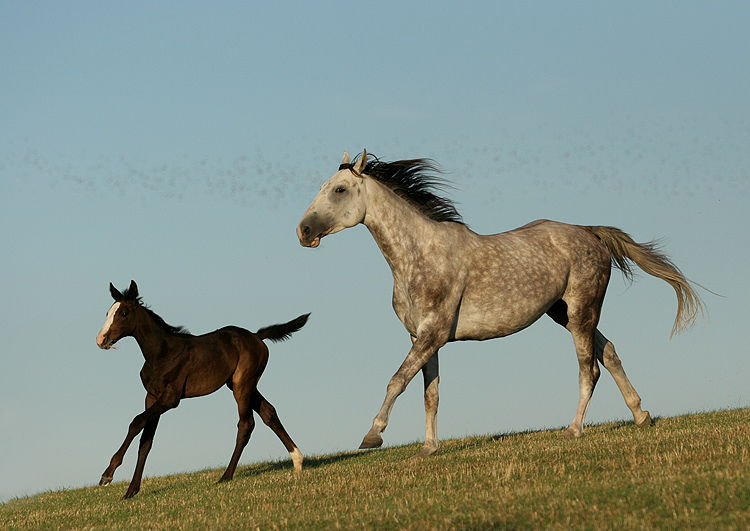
180, 365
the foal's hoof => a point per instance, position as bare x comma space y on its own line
297, 459
371, 441
645, 422
105, 481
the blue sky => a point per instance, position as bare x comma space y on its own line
178, 144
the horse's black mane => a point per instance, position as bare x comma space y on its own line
128, 296
418, 182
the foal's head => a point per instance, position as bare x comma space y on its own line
120, 317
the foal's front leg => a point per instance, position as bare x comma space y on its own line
425, 347
154, 408
144, 447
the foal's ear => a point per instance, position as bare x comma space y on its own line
133, 290
360, 165
115, 294
346, 159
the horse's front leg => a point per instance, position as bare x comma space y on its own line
431, 379
155, 407
425, 347
144, 447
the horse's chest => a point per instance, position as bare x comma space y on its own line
156, 377
415, 298
403, 308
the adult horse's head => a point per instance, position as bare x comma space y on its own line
120, 317
339, 204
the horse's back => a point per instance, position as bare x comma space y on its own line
235, 337
513, 278
219, 357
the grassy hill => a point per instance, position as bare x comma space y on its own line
688, 472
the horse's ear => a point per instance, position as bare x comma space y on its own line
360, 165
133, 290
115, 294
346, 159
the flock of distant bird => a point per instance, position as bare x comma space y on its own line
664, 160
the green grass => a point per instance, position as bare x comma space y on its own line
688, 472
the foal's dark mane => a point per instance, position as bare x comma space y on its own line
128, 296
418, 182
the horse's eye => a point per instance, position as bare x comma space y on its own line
340, 190
125, 313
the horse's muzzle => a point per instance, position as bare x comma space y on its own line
104, 342
308, 232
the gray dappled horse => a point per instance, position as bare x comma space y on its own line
452, 284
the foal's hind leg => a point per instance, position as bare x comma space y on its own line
243, 396
605, 353
268, 413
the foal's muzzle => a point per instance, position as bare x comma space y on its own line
104, 342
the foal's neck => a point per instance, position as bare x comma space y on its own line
150, 336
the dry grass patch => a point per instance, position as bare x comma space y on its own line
689, 472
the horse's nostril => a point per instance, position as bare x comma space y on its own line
306, 230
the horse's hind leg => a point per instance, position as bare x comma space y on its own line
243, 396
588, 375
605, 353
588, 368
268, 413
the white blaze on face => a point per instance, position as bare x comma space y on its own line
110, 319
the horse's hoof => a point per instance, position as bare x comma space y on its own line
426, 451
297, 459
646, 422
371, 441
568, 434
105, 481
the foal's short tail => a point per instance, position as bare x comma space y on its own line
648, 256
281, 332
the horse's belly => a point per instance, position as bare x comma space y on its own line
479, 325
490, 313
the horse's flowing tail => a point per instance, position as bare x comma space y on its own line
281, 332
649, 258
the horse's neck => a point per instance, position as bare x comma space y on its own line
150, 336
398, 228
